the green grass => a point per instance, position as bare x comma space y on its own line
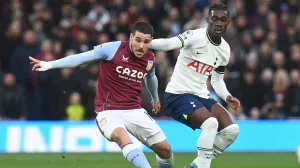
116, 160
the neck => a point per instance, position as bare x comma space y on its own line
215, 40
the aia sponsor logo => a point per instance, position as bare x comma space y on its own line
200, 68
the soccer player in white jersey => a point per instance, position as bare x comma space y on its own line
203, 53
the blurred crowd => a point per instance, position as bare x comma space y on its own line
263, 72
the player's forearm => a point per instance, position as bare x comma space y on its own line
219, 85
74, 60
152, 86
166, 44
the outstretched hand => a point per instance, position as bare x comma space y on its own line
156, 107
39, 65
234, 103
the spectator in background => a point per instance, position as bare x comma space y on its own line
75, 110
267, 87
99, 16
251, 94
22, 70
281, 83
295, 55
279, 60
82, 43
292, 96
63, 85
262, 35
38, 28
13, 99
88, 85
12, 38
265, 55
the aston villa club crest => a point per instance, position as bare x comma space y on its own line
149, 65
103, 122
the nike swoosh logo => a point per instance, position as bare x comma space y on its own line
199, 53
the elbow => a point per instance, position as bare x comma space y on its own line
213, 83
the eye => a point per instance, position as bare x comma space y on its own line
138, 40
214, 18
224, 19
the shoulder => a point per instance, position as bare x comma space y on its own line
201, 32
195, 35
108, 45
225, 46
150, 55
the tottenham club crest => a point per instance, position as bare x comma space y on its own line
149, 65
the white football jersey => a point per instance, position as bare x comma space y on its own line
198, 58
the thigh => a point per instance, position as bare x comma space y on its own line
197, 117
222, 116
142, 126
107, 121
187, 109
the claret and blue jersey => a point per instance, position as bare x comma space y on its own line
121, 74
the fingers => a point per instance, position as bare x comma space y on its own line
34, 60
236, 107
35, 63
156, 108
35, 67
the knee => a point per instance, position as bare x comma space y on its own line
120, 136
115, 137
165, 151
231, 132
210, 123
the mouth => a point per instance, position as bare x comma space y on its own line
218, 30
139, 52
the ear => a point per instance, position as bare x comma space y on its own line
228, 22
131, 37
207, 19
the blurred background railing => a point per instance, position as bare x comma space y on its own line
263, 71
84, 136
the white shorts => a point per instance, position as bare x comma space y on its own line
137, 122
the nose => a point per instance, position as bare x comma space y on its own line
141, 45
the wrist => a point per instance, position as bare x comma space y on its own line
229, 98
154, 101
47, 64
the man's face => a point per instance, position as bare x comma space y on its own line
218, 22
140, 43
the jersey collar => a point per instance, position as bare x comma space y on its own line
213, 40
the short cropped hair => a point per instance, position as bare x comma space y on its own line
143, 27
218, 7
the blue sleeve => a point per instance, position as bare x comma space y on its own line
151, 83
151, 72
152, 86
105, 51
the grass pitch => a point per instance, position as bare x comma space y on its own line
116, 160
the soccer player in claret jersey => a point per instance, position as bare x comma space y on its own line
203, 53
123, 68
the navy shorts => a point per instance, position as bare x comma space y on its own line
179, 106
